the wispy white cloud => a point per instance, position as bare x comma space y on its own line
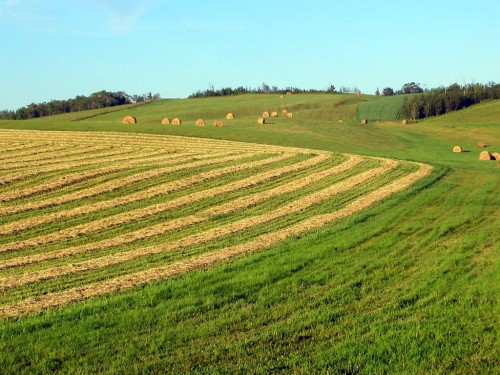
22, 11
123, 16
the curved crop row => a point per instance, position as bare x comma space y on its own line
244, 198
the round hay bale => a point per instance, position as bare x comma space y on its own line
129, 120
176, 121
217, 124
200, 122
364, 121
230, 116
165, 121
265, 114
274, 114
289, 115
485, 155
261, 120
496, 155
457, 149
405, 122
284, 111
481, 144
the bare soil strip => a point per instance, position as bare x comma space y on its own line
155, 209
203, 237
110, 221
52, 300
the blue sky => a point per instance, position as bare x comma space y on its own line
57, 49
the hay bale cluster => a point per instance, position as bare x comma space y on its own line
485, 155
129, 120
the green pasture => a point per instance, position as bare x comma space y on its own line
411, 285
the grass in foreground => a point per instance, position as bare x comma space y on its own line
410, 286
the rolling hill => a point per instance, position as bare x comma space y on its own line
406, 283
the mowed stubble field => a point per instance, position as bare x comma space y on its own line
81, 220
407, 284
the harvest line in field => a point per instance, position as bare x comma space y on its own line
207, 259
202, 237
165, 206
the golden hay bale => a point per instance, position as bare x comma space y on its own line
496, 155
217, 124
284, 111
165, 121
176, 121
274, 114
289, 115
265, 114
129, 120
457, 149
481, 144
485, 155
289, 93
230, 116
200, 122
405, 122
364, 121
261, 120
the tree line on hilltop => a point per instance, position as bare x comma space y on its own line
101, 99
442, 100
266, 89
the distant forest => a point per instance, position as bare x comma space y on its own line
441, 100
101, 99
266, 89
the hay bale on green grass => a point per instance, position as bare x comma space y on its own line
496, 155
230, 116
265, 114
176, 121
261, 120
364, 121
457, 149
481, 144
274, 114
129, 120
200, 122
485, 155
405, 122
217, 124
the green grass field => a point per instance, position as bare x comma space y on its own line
409, 285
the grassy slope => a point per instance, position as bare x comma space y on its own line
411, 285
384, 108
